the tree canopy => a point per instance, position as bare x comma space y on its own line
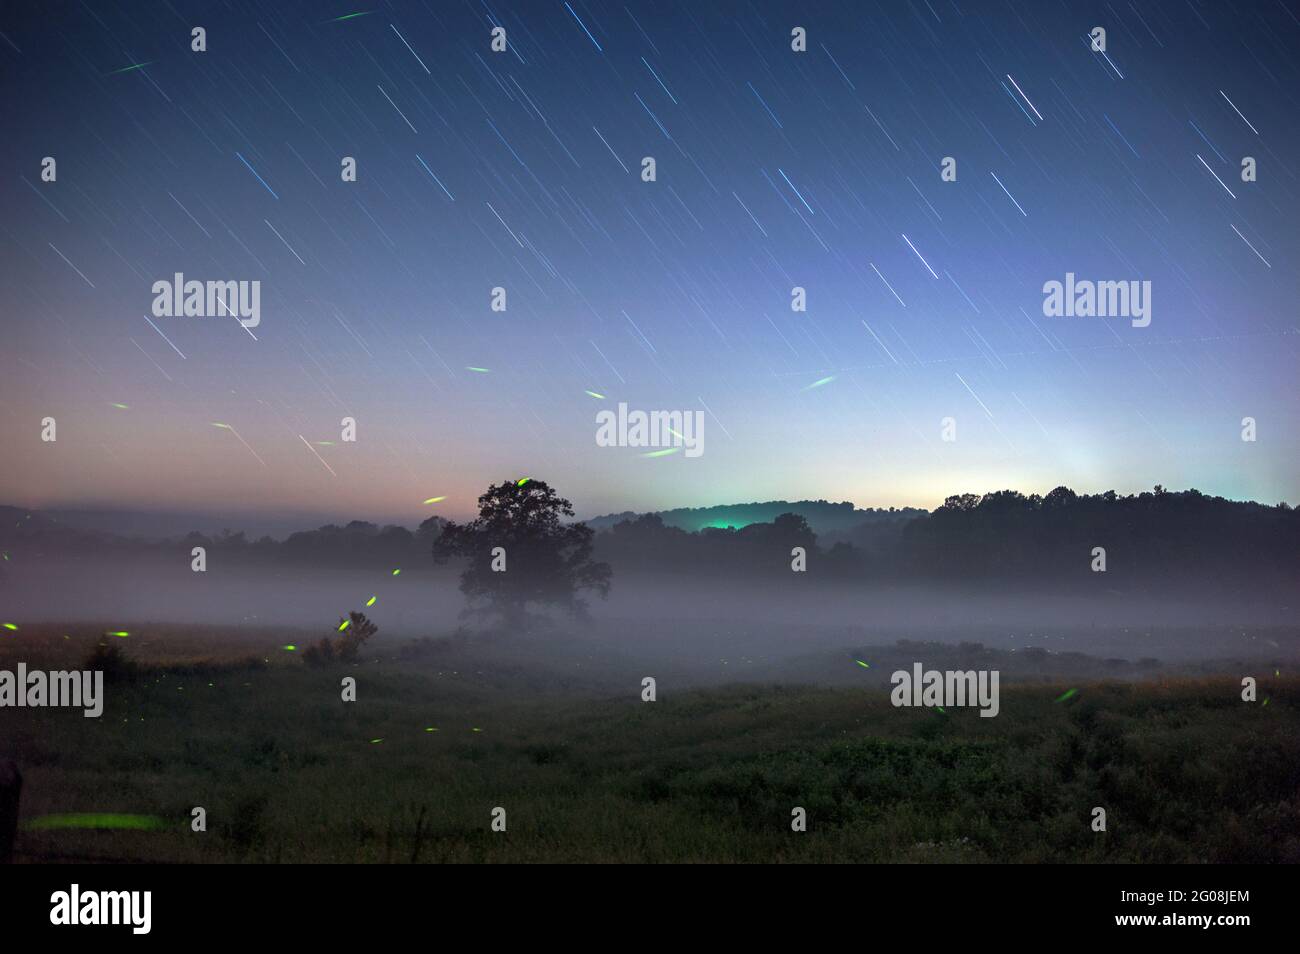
520, 552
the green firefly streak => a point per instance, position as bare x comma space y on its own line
434, 500
1265, 700
371, 601
123, 634
942, 709
479, 370
95, 820
431, 729
226, 426
1067, 695
290, 648
124, 407
662, 453
11, 626
522, 481
127, 69
351, 16
346, 624
397, 571
595, 395
324, 443
476, 730
375, 741
862, 664
817, 384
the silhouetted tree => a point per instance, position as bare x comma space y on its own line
542, 560
429, 530
346, 646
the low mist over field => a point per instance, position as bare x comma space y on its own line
1008, 571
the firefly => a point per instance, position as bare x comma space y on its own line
94, 820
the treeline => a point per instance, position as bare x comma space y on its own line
1150, 539
821, 515
1153, 540
647, 544
359, 544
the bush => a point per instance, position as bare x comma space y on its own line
358, 630
112, 661
346, 647
322, 654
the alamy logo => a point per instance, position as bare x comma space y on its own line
194, 299
103, 907
78, 690
666, 429
1089, 299
934, 689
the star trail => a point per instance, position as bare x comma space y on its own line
523, 169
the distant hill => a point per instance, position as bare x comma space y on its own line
823, 516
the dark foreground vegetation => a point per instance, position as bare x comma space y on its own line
445, 731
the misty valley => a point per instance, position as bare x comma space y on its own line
679, 696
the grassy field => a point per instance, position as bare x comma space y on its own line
287, 772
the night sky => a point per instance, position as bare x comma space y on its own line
522, 169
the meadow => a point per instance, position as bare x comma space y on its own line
444, 731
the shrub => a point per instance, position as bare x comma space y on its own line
358, 630
346, 647
322, 654
112, 661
